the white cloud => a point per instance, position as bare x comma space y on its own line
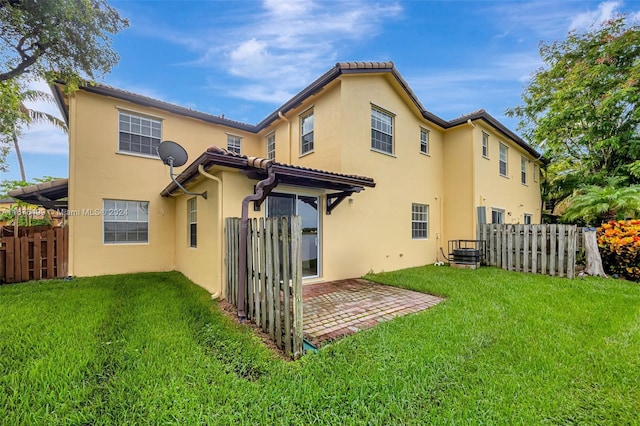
285, 44
603, 13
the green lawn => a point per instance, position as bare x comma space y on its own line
504, 348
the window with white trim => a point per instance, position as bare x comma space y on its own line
306, 132
125, 222
234, 144
381, 131
523, 170
424, 141
271, 146
485, 145
527, 218
503, 159
419, 221
497, 216
192, 219
139, 135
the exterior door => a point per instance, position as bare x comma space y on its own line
307, 208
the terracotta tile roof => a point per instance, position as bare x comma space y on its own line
221, 151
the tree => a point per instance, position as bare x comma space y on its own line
68, 40
598, 204
583, 105
17, 115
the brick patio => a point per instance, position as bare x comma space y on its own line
340, 308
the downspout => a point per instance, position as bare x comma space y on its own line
220, 226
244, 230
288, 132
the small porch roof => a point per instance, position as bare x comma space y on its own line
285, 173
50, 195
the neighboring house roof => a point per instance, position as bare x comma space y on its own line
51, 194
336, 71
285, 173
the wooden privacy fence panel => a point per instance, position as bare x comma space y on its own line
540, 249
34, 256
274, 277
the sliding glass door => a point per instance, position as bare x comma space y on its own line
306, 207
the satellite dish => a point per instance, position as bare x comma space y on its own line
172, 154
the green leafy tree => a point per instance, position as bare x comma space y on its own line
58, 39
582, 106
595, 205
16, 116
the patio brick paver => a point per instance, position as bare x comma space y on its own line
340, 308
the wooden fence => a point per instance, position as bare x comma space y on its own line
37, 254
274, 277
539, 249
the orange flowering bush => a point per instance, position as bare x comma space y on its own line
619, 243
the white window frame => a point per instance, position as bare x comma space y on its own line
485, 145
378, 125
119, 212
527, 216
307, 146
271, 146
424, 141
192, 222
139, 127
234, 143
503, 149
499, 213
419, 221
523, 170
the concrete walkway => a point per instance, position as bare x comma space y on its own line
340, 308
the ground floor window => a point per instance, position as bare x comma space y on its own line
125, 222
527, 219
192, 218
419, 221
497, 216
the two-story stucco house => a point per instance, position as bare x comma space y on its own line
380, 182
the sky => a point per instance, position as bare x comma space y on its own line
245, 58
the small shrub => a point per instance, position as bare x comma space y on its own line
619, 243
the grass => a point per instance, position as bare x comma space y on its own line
504, 348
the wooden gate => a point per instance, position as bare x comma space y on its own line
274, 277
543, 249
34, 255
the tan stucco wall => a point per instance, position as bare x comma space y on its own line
495, 191
369, 232
97, 172
459, 215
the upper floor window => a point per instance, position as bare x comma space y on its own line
234, 144
485, 145
419, 221
125, 222
503, 159
523, 170
139, 135
192, 219
497, 216
424, 141
306, 132
381, 131
271, 146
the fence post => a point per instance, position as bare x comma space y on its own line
296, 266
